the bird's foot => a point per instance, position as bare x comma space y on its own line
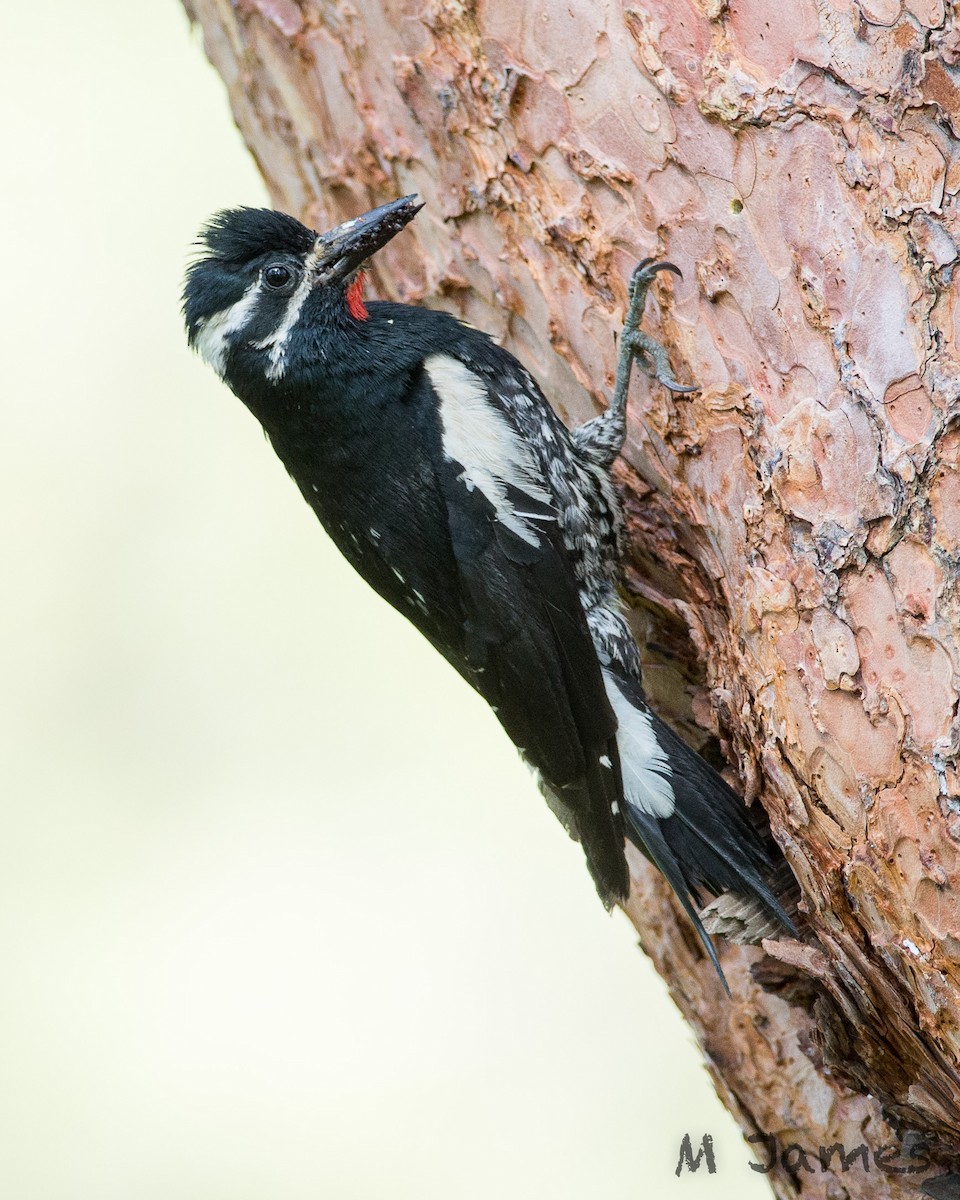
603, 437
634, 343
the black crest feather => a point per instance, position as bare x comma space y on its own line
238, 235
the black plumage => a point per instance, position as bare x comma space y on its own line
438, 468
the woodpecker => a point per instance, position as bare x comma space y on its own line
436, 465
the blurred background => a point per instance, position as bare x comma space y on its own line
281, 913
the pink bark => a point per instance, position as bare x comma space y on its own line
796, 524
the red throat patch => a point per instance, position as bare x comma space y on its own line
358, 310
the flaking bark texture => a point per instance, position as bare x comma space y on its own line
796, 524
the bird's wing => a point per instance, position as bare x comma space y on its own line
526, 644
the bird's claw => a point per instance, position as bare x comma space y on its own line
653, 359
650, 266
678, 389
634, 343
652, 355
644, 274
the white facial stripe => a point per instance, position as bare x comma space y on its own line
276, 343
213, 337
478, 437
643, 764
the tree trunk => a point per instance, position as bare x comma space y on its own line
796, 524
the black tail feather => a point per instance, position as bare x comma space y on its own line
708, 842
646, 834
710, 834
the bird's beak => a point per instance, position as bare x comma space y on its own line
347, 247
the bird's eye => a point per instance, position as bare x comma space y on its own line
277, 277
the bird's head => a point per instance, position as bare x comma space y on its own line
261, 278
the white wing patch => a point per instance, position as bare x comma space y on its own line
480, 438
643, 763
213, 338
